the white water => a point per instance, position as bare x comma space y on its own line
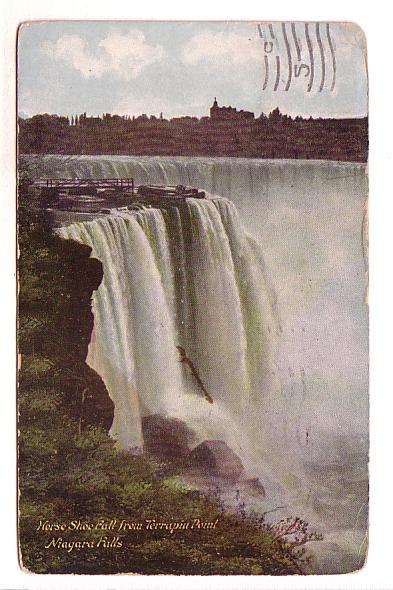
216, 299
188, 277
306, 218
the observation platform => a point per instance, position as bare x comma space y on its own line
66, 200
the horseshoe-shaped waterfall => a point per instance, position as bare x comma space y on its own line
187, 275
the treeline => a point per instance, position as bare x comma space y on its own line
273, 136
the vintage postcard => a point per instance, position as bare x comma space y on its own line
193, 319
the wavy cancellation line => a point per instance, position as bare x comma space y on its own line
308, 53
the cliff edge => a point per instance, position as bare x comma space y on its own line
56, 280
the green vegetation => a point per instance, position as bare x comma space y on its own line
69, 468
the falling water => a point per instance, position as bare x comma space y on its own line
186, 276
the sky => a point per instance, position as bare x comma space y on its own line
177, 68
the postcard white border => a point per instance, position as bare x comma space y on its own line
378, 571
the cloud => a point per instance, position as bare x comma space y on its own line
129, 53
72, 50
222, 49
125, 55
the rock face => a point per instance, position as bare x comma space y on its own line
57, 279
166, 438
216, 458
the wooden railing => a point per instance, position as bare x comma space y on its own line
99, 183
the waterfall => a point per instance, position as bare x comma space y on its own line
270, 358
274, 199
187, 276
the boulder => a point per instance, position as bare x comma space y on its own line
254, 487
216, 458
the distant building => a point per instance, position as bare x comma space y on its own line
224, 113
